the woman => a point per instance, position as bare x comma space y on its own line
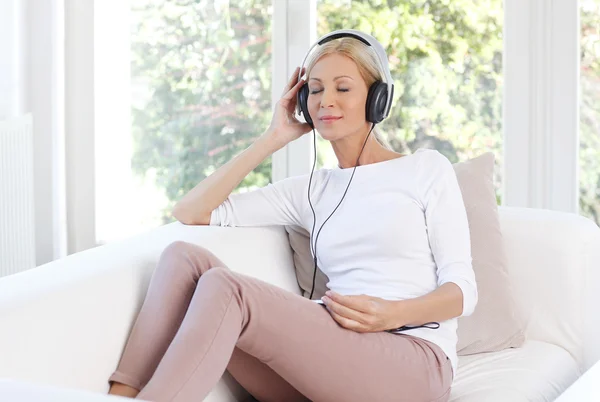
396, 251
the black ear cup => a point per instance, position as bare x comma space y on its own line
376, 100
303, 101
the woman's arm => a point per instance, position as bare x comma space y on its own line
442, 304
196, 206
450, 241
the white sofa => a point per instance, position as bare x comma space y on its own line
65, 323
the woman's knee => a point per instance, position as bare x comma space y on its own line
189, 252
220, 278
187, 258
179, 247
219, 274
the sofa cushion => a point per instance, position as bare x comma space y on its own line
304, 263
496, 323
536, 372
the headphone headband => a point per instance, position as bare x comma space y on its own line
367, 40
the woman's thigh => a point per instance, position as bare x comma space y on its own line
300, 341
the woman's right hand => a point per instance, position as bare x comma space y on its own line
285, 127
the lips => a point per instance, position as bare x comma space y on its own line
330, 118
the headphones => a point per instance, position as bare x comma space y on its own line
379, 98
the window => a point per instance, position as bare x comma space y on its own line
589, 127
198, 93
446, 61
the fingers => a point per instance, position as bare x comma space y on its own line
345, 322
355, 302
344, 311
293, 80
292, 92
303, 71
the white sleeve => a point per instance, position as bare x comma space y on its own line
278, 203
447, 226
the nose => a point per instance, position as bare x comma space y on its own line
327, 98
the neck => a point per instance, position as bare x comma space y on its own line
347, 150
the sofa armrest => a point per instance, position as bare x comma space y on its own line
554, 266
66, 323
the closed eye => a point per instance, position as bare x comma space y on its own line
341, 90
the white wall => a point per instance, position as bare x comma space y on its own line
12, 59
31, 78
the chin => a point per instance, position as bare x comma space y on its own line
328, 134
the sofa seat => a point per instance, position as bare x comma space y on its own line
538, 371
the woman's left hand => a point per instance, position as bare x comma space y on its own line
360, 313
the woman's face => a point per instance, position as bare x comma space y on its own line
336, 88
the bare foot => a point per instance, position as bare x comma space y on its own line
123, 390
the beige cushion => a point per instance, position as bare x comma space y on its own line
496, 323
305, 265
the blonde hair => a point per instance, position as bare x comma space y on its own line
365, 58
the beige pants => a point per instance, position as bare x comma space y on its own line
199, 319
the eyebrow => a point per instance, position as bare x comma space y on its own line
339, 76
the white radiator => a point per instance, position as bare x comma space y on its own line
17, 224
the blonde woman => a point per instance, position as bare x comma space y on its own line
396, 251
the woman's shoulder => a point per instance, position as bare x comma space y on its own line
430, 159
428, 153
432, 169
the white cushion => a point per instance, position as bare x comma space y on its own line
553, 262
24, 391
538, 371
585, 389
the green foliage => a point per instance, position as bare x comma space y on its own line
207, 67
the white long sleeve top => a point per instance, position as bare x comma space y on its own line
400, 232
